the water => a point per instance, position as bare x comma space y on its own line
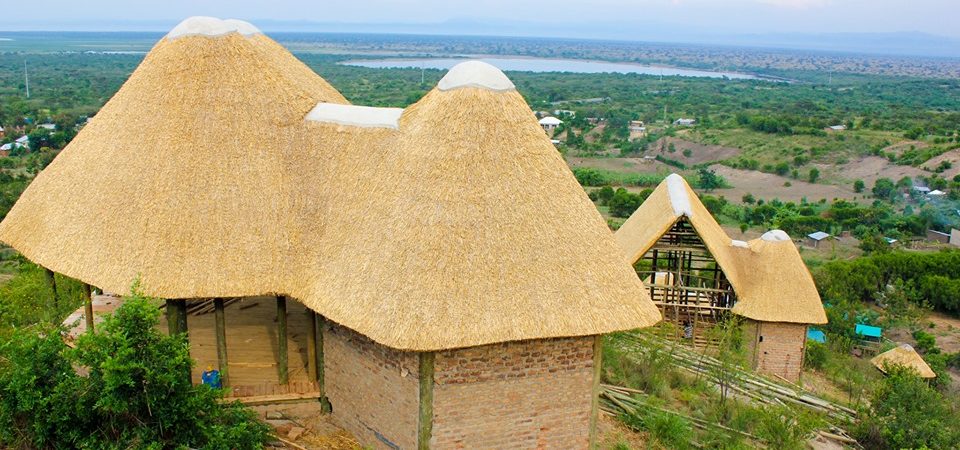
547, 65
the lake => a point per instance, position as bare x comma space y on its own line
547, 65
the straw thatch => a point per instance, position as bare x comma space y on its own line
770, 279
903, 355
461, 227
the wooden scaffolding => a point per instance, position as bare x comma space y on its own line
687, 284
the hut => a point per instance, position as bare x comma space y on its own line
903, 355
697, 275
450, 281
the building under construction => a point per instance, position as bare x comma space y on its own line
698, 276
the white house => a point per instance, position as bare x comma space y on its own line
48, 126
936, 193
685, 122
837, 127
550, 123
22, 141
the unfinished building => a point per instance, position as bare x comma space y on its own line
698, 276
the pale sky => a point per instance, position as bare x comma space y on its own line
940, 17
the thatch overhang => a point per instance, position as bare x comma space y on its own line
770, 279
461, 226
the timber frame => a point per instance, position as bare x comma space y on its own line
686, 283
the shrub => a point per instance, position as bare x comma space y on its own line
136, 392
815, 355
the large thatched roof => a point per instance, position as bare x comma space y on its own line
903, 355
770, 278
215, 173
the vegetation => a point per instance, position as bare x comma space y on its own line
135, 392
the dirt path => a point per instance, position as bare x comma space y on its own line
769, 186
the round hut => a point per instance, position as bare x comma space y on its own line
436, 271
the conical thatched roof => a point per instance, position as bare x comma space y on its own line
768, 275
453, 223
903, 355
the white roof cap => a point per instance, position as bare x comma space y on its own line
477, 74
775, 236
211, 26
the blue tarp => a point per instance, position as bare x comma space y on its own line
868, 331
816, 335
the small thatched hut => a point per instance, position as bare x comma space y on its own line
903, 355
696, 274
454, 278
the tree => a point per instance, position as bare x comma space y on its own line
708, 179
858, 186
135, 394
884, 189
748, 198
814, 175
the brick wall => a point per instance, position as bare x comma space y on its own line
777, 347
529, 394
374, 390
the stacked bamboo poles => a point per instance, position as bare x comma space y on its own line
747, 384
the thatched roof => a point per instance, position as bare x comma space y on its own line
768, 275
459, 226
903, 355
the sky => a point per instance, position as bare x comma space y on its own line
644, 17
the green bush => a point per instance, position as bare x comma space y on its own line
815, 355
907, 413
135, 391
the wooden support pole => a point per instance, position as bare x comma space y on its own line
595, 396
52, 281
320, 325
176, 316
221, 326
282, 339
312, 345
425, 420
88, 307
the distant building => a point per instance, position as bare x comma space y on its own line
637, 129
564, 112
837, 127
48, 126
2, 132
921, 189
955, 237
813, 239
550, 123
937, 236
685, 122
936, 193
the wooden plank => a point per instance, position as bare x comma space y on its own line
282, 339
425, 420
221, 335
275, 398
595, 396
88, 307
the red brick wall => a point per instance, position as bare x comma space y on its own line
374, 390
529, 394
777, 347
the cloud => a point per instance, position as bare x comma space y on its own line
796, 4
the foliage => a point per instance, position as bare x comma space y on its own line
815, 355
135, 392
907, 413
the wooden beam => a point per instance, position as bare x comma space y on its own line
595, 396
425, 421
282, 339
221, 341
88, 307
